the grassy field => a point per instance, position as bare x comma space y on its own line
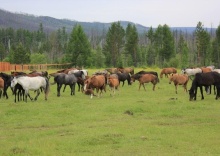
132, 122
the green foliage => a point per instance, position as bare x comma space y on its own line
20, 55
114, 44
38, 58
79, 47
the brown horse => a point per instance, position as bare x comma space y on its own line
145, 78
112, 70
167, 71
205, 69
113, 83
126, 70
179, 79
1, 86
97, 82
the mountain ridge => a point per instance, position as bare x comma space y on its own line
32, 22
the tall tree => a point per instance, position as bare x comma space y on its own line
79, 47
131, 45
114, 44
21, 54
202, 43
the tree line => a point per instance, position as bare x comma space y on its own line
158, 47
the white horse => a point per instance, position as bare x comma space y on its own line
216, 70
85, 72
32, 83
191, 72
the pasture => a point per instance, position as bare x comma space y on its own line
134, 122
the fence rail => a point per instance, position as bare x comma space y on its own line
6, 66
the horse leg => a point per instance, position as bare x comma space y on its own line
201, 91
176, 87
139, 86
123, 83
144, 86
58, 89
64, 88
74, 86
38, 93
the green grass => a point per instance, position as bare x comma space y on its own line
131, 123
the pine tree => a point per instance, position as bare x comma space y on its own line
79, 47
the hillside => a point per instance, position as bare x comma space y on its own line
31, 22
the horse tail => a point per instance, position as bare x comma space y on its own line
47, 89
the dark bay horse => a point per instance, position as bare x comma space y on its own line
204, 79
7, 82
145, 78
123, 77
66, 79
167, 71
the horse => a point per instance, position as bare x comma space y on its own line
7, 82
191, 72
113, 83
80, 75
204, 79
167, 71
89, 92
148, 72
205, 69
112, 70
97, 82
179, 79
145, 78
123, 77
126, 70
32, 83
1, 86
41, 73
66, 79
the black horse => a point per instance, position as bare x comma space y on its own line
149, 72
204, 79
66, 79
7, 83
123, 77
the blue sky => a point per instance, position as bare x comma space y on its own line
174, 13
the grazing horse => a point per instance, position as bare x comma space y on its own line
123, 77
191, 72
97, 82
66, 79
113, 83
32, 83
7, 82
148, 72
1, 86
145, 78
204, 79
126, 70
179, 79
167, 71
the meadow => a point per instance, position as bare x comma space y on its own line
132, 122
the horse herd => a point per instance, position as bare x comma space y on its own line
20, 82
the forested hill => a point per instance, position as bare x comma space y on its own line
32, 22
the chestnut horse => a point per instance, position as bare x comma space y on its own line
112, 70
113, 83
179, 79
97, 82
167, 71
145, 78
126, 70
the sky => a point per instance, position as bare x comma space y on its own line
174, 13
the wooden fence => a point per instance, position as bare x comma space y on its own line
6, 66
